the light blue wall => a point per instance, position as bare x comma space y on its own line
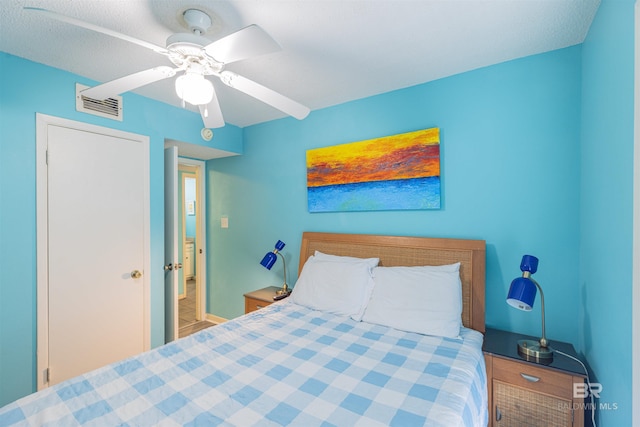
510, 175
27, 88
606, 206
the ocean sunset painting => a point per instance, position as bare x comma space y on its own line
398, 172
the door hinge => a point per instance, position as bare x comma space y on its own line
46, 157
45, 375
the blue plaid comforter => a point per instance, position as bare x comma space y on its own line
282, 365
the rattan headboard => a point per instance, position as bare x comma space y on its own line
412, 251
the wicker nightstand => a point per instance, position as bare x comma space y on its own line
259, 299
528, 393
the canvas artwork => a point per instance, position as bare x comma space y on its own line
398, 172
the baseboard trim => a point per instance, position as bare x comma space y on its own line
215, 319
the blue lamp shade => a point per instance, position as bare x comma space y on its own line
522, 294
270, 258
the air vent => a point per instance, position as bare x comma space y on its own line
111, 108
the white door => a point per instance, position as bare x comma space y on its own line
172, 264
97, 246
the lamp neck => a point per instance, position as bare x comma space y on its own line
284, 268
543, 340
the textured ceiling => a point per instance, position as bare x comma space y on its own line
333, 51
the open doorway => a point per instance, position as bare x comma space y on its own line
189, 158
191, 245
187, 282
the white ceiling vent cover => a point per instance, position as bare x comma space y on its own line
110, 108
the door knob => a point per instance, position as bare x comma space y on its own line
168, 267
178, 265
136, 274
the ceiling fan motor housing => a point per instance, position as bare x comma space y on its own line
187, 52
198, 21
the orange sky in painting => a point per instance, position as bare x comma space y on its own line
408, 155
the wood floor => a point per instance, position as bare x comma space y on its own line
194, 327
187, 313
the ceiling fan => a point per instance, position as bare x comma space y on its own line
194, 57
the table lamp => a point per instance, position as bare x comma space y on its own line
267, 262
522, 294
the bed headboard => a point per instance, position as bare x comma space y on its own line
413, 251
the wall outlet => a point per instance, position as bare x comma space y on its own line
224, 222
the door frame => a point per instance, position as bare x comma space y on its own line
171, 240
42, 232
200, 250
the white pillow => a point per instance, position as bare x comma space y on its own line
426, 300
342, 288
372, 262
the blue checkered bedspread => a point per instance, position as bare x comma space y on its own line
282, 365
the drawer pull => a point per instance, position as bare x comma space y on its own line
530, 378
259, 306
498, 414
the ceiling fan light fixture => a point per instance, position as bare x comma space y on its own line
194, 88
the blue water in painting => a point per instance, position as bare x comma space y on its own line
398, 194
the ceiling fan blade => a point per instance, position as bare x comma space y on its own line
211, 113
130, 82
245, 43
99, 29
264, 94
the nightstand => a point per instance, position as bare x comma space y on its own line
529, 393
259, 299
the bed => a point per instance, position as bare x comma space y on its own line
291, 364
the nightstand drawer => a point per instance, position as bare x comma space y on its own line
533, 378
516, 406
251, 304
259, 299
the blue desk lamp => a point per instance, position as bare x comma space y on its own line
522, 294
267, 262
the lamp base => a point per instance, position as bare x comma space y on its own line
282, 293
532, 351
284, 290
